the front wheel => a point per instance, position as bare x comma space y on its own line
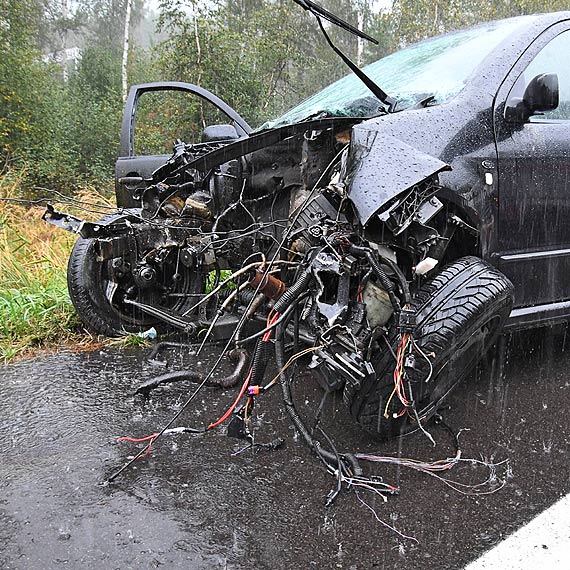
460, 314
98, 297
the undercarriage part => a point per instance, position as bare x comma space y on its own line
459, 315
187, 325
105, 293
239, 355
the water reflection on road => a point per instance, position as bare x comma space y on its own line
192, 504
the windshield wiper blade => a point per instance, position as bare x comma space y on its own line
319, 13
333, 19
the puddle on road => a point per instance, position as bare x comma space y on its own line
192, 504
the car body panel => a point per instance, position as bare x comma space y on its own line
533, 247
384, 167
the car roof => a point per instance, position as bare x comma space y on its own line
500, 60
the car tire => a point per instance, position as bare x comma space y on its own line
460, 313
87, 280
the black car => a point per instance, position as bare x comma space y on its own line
386, 236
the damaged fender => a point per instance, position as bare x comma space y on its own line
380, 170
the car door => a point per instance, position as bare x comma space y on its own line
534, 178
140, 154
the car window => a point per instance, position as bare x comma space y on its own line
164, 116
552, 58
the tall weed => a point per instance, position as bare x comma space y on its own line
35, 309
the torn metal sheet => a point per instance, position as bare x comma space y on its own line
382, 167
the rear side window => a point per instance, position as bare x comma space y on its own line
554, 57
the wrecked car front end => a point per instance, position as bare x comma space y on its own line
348, 237
324, 266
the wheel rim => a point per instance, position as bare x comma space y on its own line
191, 284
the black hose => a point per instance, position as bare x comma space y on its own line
284, 316
241, 355
385, 281
313, 317
293, 292
288, 400
358, 472
167, 378
158, 347
259, 363
243, 296
401, 278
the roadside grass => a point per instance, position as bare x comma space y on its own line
35, 310
36, 313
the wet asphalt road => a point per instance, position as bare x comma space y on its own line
193, 505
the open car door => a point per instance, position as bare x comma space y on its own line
148, 131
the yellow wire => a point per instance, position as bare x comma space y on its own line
291, 360
397, 367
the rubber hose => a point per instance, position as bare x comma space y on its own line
293, 292
358, 472
312, 317
404, 284
289, 406
260, 358
241, 355
386, 282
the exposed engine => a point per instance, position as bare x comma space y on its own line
265, 249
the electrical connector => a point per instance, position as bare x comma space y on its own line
407, 321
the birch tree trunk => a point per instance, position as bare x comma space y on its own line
63, 35
126, 49
360, 44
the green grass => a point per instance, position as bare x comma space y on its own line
35, 316
35, 310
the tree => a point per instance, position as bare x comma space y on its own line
126, 49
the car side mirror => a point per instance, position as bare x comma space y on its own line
541, 94
215, 133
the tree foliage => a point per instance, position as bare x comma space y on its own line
261, 56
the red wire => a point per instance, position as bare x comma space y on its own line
137, 440
230, 410
233, 406
267, 335
227, 413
